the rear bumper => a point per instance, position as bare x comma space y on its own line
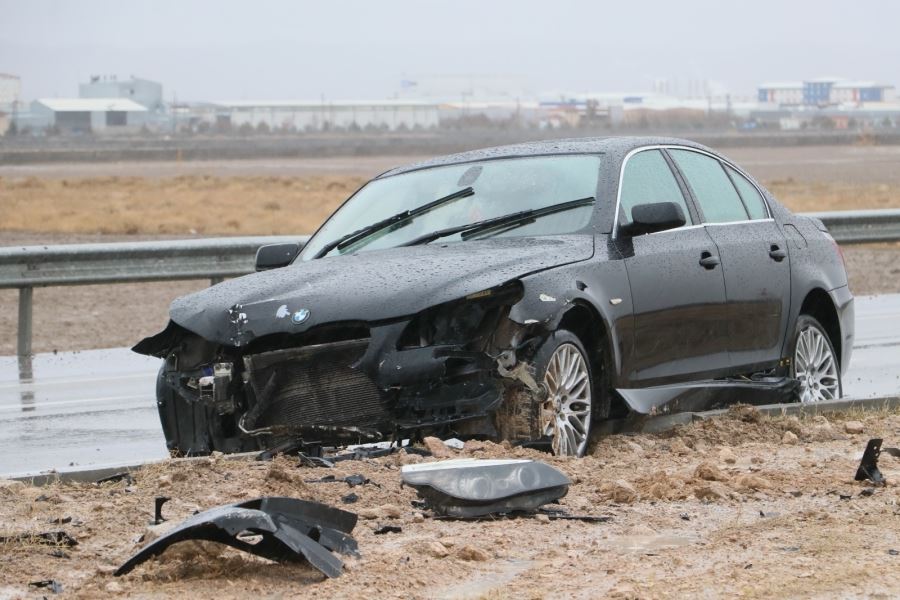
843, 303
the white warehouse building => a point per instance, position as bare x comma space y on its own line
311, 115
89, 115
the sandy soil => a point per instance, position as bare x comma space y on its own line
740, 505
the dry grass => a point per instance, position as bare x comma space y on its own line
812, 197
211, 205
190, 204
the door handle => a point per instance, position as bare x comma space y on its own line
776, 253
708, 261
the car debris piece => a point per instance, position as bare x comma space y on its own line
157, 509
466, 488
313, 454
868, 466
291, 529
314, 461
388, 529
49, 538
351, 480
51, 584
561, 515
349, 498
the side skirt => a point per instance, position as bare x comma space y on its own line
710, 394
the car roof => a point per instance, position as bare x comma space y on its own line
590, 145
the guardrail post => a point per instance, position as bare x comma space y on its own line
25, 306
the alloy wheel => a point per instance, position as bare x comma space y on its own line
815, 367
566, 414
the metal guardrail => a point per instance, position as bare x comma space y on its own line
27, 267
862, 226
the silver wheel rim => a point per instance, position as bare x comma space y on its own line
815, 367
566, 413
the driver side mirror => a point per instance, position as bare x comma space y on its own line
650, 218
274, 256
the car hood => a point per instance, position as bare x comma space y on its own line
369, 286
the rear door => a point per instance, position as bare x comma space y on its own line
680, 331
754, 257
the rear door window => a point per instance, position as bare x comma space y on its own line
718, 199
647, 179
753, 202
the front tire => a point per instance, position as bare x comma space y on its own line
565, 415
814, 362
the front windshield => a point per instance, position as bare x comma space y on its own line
500, 187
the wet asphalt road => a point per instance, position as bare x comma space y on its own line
97, 407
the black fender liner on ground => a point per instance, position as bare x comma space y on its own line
291, 529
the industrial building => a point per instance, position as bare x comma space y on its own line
10, 94
148, 94
823, 92
300, 115
88, 115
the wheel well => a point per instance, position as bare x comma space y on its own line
818, 305
586, 323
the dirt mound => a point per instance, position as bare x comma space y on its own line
722, 492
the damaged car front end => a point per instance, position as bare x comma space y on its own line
338, 382
448, 367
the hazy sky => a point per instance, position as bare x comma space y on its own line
267, 49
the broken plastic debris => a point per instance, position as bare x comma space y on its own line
388, 529
466, 488
50, 584
351, 480
291, 529
157, 509
868, 466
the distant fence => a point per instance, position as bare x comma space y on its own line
28, 267
23, 150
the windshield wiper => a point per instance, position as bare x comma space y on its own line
407, 215
509, 221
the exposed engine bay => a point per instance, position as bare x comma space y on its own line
448, 368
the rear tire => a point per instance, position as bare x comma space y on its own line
814, 362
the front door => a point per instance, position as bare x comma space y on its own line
677, 285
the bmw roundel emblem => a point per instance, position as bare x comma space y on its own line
300, 316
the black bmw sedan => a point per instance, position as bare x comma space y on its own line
521, 293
